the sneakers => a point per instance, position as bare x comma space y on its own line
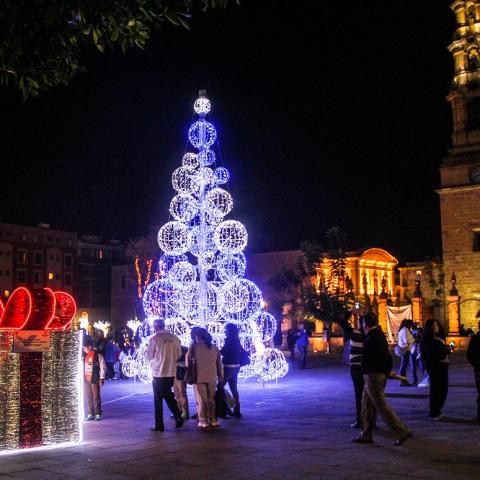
436, 418
90, 418
356, 425
157, 429
185, 416
98, 418
178, 422
202, 425
214, 424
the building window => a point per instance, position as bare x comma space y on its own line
476, 241
38, 258
68, 279
49, 239
21, 276
50, 276
57, 276
58, 240
22, 257
100, 254
37, 278
7, 273
35, 238
69, 243
24, 237
123, 282
6, 293
68, 260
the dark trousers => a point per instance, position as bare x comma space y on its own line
406, 360
477, 383
94, 400
438, 373
358, 384
110, 370
162, 390
303, 356
230, 376
292, 352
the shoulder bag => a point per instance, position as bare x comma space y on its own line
191, 373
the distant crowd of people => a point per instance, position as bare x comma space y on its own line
209, 369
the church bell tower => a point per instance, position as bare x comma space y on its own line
460, 170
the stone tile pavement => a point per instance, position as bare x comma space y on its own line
297, 429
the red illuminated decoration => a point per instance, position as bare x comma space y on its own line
39, 309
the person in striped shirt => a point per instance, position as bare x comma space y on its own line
356, 336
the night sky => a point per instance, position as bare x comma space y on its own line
328, 113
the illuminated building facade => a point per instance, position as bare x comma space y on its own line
460, 170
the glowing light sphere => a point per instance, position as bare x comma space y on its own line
183, 180
266, 324
190, 161
205, 242
206, 157
202, 134
204, 177
202, 106
231, 236
182, 274
231, 266
128, 367
166, 262
213, 218
174, 238
207, 260
271, 364
219, 202
183, 207
157, 300
240, 296
222, 175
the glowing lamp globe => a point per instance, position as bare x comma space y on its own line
231, 236
202, 134
202, 106
174, 238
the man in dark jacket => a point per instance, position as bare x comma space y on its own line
376, 366
473, 356
356, 338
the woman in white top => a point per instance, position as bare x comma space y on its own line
405, 343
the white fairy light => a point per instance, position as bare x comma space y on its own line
219, 202
231, 266
103, 326
206, 157
231, 236
182, 274
190, 161
202, 134
202, 106
183, 180
266, 324
222, 175
174, 238
133, 325
183, 207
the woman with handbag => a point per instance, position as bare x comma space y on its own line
204, 368
232, 357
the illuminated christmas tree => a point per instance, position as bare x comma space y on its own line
202, 267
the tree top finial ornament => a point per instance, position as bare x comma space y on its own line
203, 266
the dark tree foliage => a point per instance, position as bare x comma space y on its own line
41, 41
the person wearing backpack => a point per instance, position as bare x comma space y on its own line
233, 356
473, 356
94, 376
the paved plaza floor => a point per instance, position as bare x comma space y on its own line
297, 429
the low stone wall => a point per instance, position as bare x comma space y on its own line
317, 344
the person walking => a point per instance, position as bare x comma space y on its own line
110, 351
291, 339
473, 356
377, 366
180, 385
162, 352
436, 355
356, 336
94, 378
405, 342
209, 369
302, 341
231, 357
